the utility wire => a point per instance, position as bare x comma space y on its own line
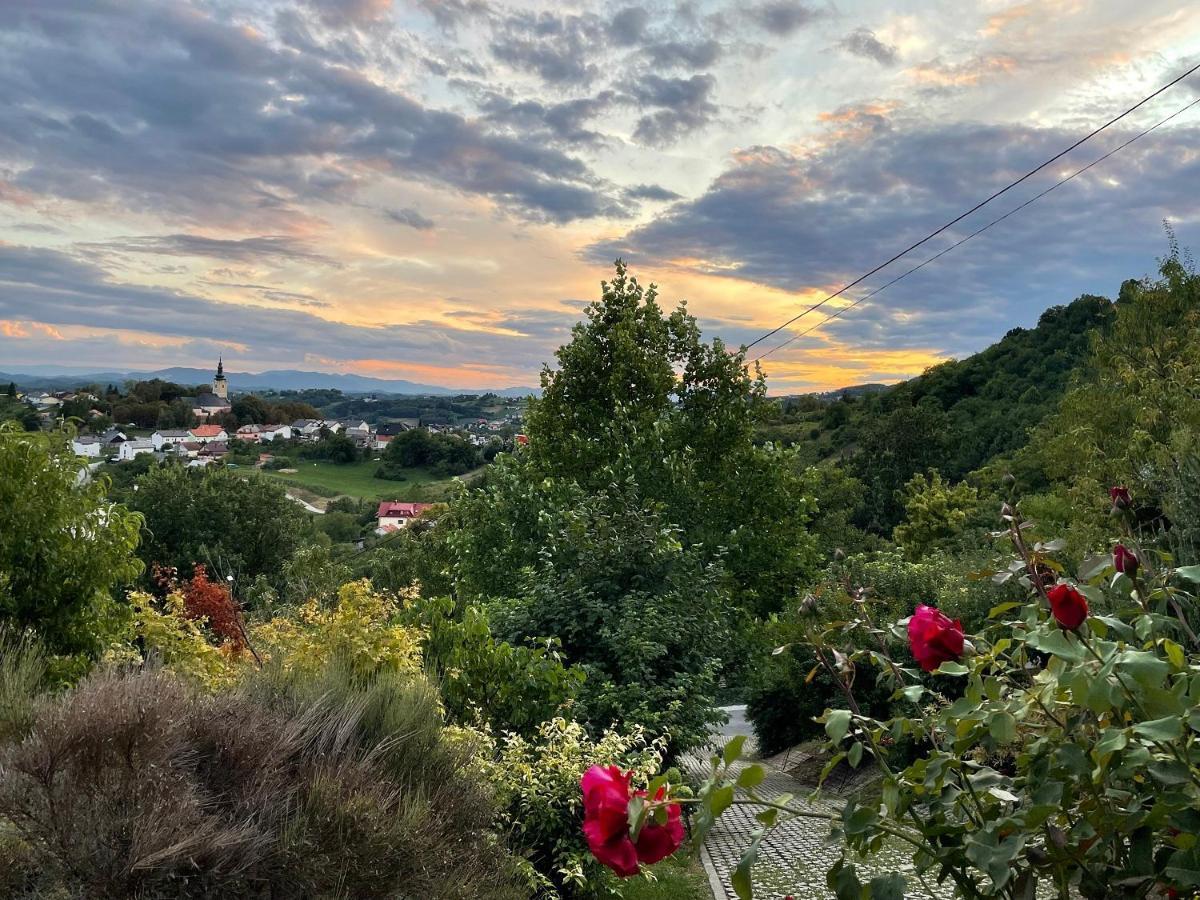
976, 207
980, 231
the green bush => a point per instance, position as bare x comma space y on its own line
537, 781
509, 687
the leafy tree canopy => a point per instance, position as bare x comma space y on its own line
65, 550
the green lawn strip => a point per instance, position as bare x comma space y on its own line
357, 479
680, 878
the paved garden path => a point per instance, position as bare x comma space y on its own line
794, 857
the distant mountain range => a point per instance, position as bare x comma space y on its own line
64, 377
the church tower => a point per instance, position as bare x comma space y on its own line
220, 385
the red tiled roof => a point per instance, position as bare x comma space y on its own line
207, 430
394, 509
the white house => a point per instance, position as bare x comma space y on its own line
169, 437
355, 427
270, 432
86, 445
206, 433
306, 428
392, 514
131, 449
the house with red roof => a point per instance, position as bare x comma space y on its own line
393, 514
205, 433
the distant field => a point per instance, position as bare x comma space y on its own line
326, 479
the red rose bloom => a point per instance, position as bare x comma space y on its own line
1069, 606
657, 842
1120, 497
934, 638
606, 795
606, 818
1124, 560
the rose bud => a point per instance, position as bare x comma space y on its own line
1070, 608
1125, 560
1120, 497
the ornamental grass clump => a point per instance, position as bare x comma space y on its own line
141, 785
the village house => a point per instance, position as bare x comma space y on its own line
393, 514
205, 433
131, 449
169, 437
380, 441
213, 450
355, 427
263, 434
86, 445
112, 438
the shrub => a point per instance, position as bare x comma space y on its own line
360, 629
508, 687
136, 785
163, 631
537, 780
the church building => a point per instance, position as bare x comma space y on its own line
214, 402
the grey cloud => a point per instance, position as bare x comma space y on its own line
627, 26
450, 14
863, 42
817, 220
698, 54
341, 13
563, 121
249, 249
653, 192
680, 105
783, 17
559, 48
410, 217
208, 122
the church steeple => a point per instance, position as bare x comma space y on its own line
220, 385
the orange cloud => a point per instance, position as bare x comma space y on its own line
965, 74
13, 329
837, 366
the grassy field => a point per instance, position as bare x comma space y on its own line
326, 480
679, 878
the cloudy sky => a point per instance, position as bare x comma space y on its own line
432, 189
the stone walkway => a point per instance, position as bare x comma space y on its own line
795, 856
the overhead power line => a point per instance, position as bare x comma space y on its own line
979, 231
975, 208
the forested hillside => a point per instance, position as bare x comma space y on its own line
953, 418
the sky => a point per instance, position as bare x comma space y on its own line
433, 190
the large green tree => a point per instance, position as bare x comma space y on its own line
235, 524
638, 396
65, 550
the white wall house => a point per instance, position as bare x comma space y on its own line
392, 514
86, 445
206, 433
131, 449
170, 437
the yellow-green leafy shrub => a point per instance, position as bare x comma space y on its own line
541, 810
361, 629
